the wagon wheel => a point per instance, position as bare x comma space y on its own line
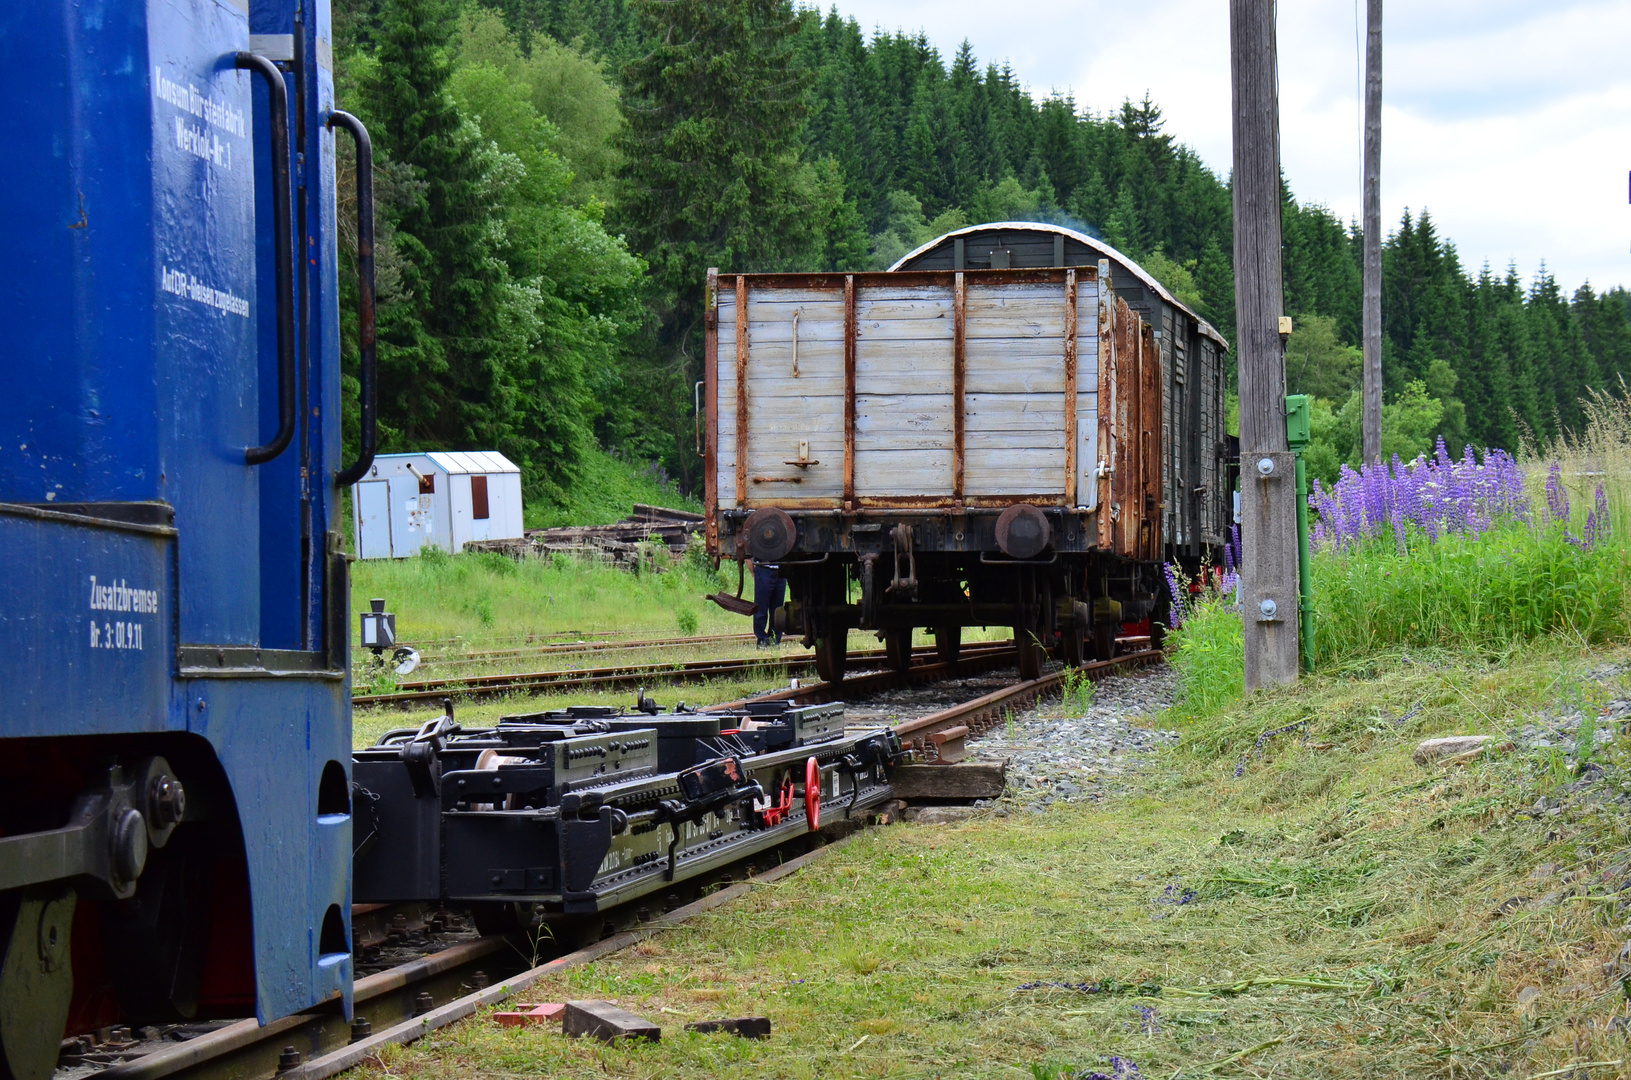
948, 643
1030, 653
830, 654
898, 649
1104, 640
1072, 647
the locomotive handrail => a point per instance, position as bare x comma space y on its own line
282, 194
367, 352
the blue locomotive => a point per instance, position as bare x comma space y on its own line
175, 812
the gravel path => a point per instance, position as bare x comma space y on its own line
1057, 754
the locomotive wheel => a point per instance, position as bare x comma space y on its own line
37, 981
948, 643
830, 655
1030, 654
898, 649
1072, 647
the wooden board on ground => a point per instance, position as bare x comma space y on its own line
964, 780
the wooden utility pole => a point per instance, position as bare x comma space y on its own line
1371, 414
1268, 496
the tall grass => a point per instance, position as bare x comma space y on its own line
1457, 555
484, 597
1208, 653
1516, 582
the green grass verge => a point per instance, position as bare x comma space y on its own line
490, 599
1334, 911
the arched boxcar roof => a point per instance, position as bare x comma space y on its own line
1097, 246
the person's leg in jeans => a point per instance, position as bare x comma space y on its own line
778, 597
763, 576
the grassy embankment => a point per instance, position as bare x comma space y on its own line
450, 606
1307, 903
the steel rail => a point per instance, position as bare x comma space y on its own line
246, 1050
568, 648
984, 713
628, 675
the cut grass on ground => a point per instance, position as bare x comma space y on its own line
1335, 911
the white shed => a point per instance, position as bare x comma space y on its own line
446, 498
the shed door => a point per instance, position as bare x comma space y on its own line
374, 520
480, 518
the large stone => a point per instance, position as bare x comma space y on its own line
1453, 747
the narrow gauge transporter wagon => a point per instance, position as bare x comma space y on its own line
1013, 427
570, 812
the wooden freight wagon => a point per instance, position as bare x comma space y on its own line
941, 449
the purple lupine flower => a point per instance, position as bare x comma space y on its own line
1179, 600
1437, 494
1557, 496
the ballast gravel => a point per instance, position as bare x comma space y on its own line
1060, 753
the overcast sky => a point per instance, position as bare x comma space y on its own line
1510, 122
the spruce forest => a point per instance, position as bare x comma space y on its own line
555, 177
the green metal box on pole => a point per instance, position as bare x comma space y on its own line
1299, 430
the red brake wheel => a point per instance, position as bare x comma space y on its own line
812, 794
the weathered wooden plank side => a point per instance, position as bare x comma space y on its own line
1071, 399
742, 414
905, 367
849, 390
710, 417
876, 409
1105, 444
903, 472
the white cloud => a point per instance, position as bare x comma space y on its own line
1509, 121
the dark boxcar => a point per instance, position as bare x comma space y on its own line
1013, 427
175, 829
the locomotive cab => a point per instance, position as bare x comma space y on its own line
175, 814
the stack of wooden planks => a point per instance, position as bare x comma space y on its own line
628, 543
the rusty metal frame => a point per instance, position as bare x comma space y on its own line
910, 278
1070, 388
849, 390
1124, 478
710, 391
741, 390
1150, 428
959, 382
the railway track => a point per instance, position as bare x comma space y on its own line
464, 972
402, 1003
977, 656
944, 731
571, 648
